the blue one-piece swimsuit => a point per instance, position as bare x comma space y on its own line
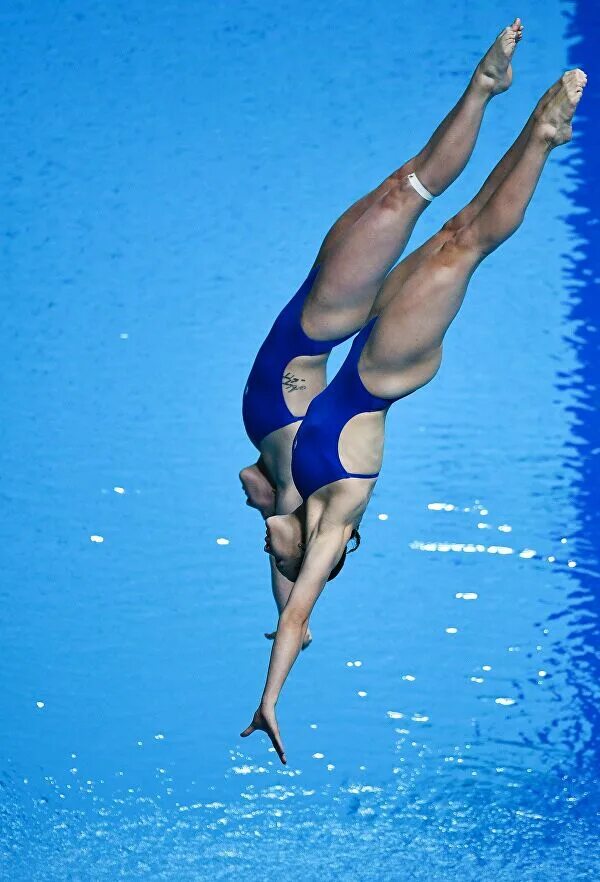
315, 457
264, 408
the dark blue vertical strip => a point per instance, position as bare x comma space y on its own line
584, 277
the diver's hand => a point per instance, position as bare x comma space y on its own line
265, 720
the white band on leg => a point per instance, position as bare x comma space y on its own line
418, 186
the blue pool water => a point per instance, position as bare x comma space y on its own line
169, 172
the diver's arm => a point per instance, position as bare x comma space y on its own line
280, 586
322, 553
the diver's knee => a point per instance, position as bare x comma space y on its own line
402, 173
453, 225
462, 247
396, 198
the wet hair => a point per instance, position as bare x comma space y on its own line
355, 535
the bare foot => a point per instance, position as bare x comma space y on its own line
554, 123
259, 492
546, 97
270, 635
494, 71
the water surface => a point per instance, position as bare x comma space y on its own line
169, 174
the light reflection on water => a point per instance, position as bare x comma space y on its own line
434, 818
444, 722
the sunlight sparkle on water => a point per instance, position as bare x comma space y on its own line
470, 548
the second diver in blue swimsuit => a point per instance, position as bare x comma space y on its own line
339, 446
336, 299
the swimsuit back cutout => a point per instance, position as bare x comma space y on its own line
264, 408
315, 455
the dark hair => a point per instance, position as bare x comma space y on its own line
339, 565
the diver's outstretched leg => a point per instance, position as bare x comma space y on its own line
504, 167
355, 257
443, 157
504, 211
409, 264
404, 350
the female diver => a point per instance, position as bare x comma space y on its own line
336, 298
338, 448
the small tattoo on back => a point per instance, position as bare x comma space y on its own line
292, 383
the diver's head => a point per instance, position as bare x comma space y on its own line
259, 488
285, 541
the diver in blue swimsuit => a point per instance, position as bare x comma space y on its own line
339, 447
336, 299
344, 398
264, 414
